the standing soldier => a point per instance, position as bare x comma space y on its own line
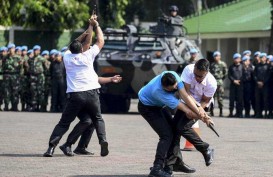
261, 77
45, 55
235, 73
36, 78
11, 68
247, 82
219, 71
256, 59
57, 70
23, 78
270, 115
3, 55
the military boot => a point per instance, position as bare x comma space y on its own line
230, 113
6, 108
221, 112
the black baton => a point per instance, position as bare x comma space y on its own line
212, 128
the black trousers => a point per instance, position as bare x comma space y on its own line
236, 95
85, 105
182, 126
154, 116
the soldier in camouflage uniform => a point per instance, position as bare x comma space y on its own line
23, 78
11, 67
35, 69
3, 55
45, 55
219, 70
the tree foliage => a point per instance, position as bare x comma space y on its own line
55, 15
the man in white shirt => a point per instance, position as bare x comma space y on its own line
201, 85
82, 90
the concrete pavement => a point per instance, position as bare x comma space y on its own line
244, 148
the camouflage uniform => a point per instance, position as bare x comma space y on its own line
219, 71
11, 68
47, 87
36, 77
1, 81
24, 86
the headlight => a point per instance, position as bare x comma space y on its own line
108, 55
148, 56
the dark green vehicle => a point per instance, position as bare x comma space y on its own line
137, 58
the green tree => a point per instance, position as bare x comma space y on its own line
55, 15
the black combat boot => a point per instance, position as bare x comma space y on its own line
6, 108
221, 112
157, 171
66, 148
230, 113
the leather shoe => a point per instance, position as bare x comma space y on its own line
157, 171
66, 150
104, 149
182, 167
49, 152
82, 151
208, 156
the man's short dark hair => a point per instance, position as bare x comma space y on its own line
75, 47
168, 79
202, 64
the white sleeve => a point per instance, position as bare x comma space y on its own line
185, 76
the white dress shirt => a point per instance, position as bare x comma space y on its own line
80, 73
207, 87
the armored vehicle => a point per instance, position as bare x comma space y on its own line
137, 57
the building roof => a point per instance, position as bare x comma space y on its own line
237, 16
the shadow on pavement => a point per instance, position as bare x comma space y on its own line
27, 155
108, 175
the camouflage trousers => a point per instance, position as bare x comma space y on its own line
36, 90
24, 90
47, 92
11, 89
219, 95
1, 93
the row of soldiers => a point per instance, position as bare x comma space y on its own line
29, 76
251, 84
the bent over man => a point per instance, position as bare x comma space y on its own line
160, 92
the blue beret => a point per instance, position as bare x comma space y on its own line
269, 57
45, 52
53, 52
193, 50
3, 49
236, 55
64, 49
257, 53
216, 53
24, 47
58, 53
29, 51
245, 58
18, 48
263, 55
37, 47
247, 52
11, 46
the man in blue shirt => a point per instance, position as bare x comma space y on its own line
160, 92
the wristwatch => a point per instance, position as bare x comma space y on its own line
198, 104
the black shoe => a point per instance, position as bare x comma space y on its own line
182, 167
167, 169
82, 151
157, 171
208, 156
104, 149
49, 152
66, 150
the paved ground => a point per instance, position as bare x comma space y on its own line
244, 148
